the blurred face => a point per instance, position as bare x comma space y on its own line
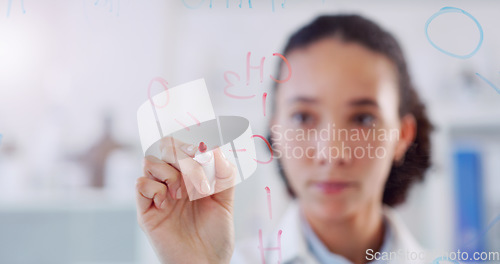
336, 126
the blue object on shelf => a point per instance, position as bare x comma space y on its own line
468, 191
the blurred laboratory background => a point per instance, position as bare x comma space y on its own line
73, 74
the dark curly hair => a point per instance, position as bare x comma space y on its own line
354, 28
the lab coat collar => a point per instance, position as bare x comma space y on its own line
401, 237
294, 247
294, 244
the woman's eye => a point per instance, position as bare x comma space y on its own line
302, 118
366, 120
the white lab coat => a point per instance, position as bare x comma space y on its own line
294, 248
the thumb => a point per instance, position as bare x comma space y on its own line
225, 177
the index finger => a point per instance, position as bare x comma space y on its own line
173, 150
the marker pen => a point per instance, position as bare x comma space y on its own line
206, 160
268, 190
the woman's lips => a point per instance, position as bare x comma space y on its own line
332, 187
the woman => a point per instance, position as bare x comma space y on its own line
349, 78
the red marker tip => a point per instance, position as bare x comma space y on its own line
202, 147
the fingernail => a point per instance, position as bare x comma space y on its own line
222, 153
205, 187
189, 149
178, 195
163, 204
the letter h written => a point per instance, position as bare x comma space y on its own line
262, 248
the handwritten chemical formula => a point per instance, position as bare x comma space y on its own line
231, 77
446, 10
195, 4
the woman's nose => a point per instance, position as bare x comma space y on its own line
332, 146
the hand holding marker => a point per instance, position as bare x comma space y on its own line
184, 223
176, 213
